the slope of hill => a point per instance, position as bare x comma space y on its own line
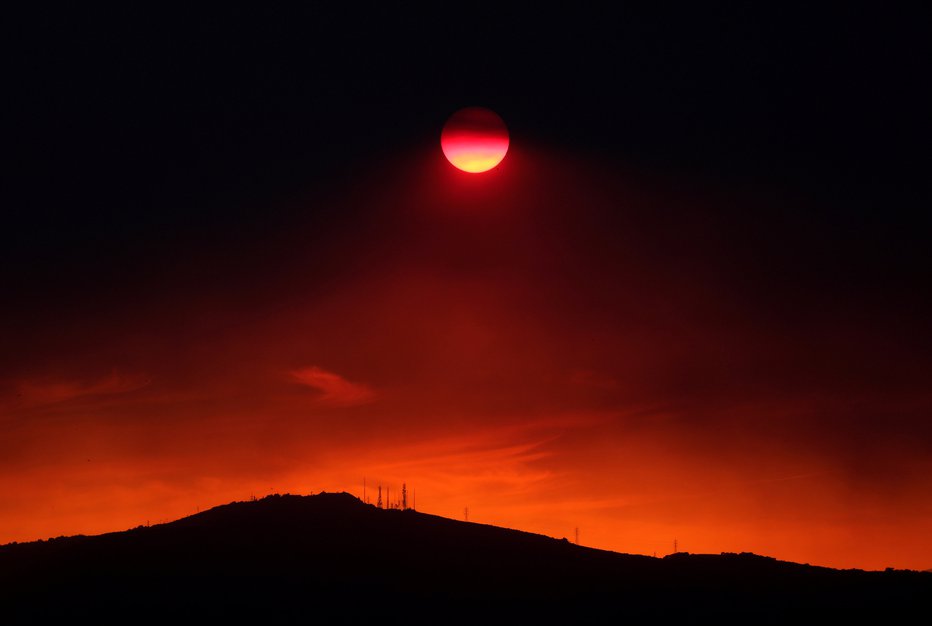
333, 558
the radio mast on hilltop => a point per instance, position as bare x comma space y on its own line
380, 497
404, 496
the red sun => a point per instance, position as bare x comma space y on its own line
474, 139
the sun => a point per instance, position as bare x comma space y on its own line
474, 139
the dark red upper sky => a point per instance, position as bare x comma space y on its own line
690, 304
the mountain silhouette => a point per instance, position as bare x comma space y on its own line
334, 559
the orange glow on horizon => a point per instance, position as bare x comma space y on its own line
474, 140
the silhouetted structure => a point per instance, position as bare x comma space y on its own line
401, 503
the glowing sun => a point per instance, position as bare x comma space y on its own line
474, 139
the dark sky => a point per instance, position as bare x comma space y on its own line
694, 296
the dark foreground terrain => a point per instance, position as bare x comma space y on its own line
330, 558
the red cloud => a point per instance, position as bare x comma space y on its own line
30, 393
335, 390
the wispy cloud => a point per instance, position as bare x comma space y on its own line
41, 392
334, 389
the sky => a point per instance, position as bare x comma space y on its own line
690, 305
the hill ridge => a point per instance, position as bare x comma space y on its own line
295, 550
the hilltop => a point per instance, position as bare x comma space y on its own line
330, 556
